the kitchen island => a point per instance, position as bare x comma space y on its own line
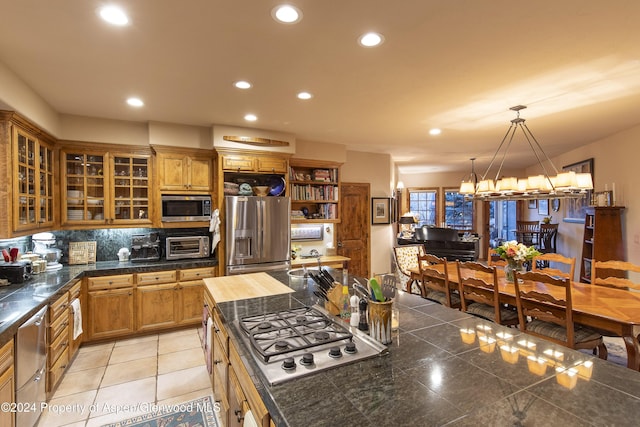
432, 377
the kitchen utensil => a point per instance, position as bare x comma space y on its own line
363, 324
361, 290
377, 290
277, 186
327, 275
261, 190
380, 321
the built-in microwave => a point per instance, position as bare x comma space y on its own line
185, 208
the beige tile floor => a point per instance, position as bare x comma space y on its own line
117, 380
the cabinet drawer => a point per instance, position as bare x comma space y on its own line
58, 347
220, 332
238, 163
6, 356
220, 364
57, 370
156, 277
57, 327
58, 307
220, 394
196, 273
110, 282
74, 292
248, 388
271, 164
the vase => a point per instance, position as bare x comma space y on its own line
512, 266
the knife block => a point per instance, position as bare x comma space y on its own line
335, 299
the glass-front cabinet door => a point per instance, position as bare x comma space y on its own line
84, 186
33, 159
104, 188
130, 189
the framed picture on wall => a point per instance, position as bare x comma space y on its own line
543, 207
576, 209
380, 210
533, 204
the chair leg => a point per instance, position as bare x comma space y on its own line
601, 351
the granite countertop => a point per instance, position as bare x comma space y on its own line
431, 377
18, 302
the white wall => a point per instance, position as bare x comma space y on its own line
377, 170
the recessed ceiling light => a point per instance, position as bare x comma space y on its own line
135, 102
286, 14
250, 117
241, 84
114, 15
435, 131
305, 95
371, 39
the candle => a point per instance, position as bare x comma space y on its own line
468, 336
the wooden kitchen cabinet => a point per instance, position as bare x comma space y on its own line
602, 239
7, 383
110, 306
74, 343
156, 306
106, 186
27, 177
185, 170
314, 185
260, 162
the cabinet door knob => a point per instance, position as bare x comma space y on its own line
215, 362
239, 415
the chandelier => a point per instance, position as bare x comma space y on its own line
547, 185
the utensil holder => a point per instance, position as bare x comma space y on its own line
335, 299
380, 321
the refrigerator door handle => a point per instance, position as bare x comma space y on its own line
260, 226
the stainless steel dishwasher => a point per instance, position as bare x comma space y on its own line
31, 361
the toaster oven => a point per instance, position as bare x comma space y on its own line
187, 247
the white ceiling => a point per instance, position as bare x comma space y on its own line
454, 64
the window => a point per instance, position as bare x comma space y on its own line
502, 220
458, 211
422, 203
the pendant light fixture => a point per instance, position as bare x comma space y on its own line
549, 184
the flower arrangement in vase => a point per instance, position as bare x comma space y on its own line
515, 254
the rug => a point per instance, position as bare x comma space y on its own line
196, 413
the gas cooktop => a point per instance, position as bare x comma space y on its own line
302, 341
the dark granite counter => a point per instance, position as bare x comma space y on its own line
431, 377
20, 301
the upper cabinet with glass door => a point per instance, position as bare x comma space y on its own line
33, 162
106, 189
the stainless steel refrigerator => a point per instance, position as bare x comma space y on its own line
258, 234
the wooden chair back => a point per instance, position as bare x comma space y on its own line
494, 260
432, 278
614, 274
541, 264
552, 305
527, 232
548, 237
478, 283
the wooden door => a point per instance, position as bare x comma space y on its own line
352, 233
201, 170
110, 313
172, 171
191, 301
156, 306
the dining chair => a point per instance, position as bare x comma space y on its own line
477, 287
527, 232
542, 264
614, 274
547, 238
406, 258
494, 260
548, 303
434, 284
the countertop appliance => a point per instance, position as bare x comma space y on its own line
176, 208
15, 272
303, 341
258, 233
179, 247
43, 244
145, 247
31, 358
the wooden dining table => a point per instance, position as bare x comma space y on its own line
616, 312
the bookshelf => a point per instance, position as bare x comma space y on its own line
314, 188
